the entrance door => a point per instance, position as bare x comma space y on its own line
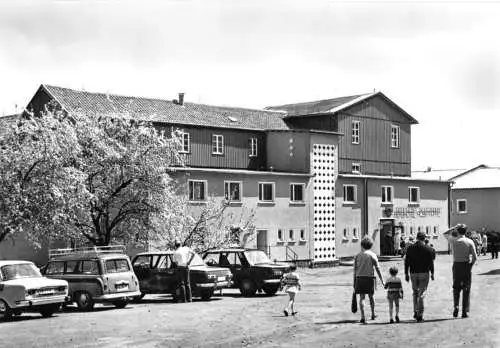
262, 241
387, 237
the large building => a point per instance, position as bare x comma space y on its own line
320, 175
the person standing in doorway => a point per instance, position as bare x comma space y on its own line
364, 278
183, 256
419, 262
464, 257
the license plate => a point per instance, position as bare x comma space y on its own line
46, 292
221, 279
121, 287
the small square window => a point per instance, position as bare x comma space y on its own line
350, 193
297, 193
217, 144
197, 190
414, 195
232, 191
266, 192
462, 206
356, 168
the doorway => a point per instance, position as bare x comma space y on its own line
262, 241
387, 233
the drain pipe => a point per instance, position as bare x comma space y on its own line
365, 206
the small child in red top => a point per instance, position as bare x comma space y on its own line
291, 284
394, 292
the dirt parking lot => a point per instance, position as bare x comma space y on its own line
324, 318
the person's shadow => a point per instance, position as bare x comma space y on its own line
492, 272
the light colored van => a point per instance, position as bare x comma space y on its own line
95, 274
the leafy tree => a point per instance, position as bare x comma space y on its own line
215, 224
95, 179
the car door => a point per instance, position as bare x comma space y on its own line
142, 265
235, 265
163, 275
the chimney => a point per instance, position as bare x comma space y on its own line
181, 98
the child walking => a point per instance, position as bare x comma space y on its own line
394, 292
291, 284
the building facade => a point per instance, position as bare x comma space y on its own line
319, 175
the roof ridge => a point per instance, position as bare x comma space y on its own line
163, 100
320, 100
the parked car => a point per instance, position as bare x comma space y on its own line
251, 268
24, 289
95, 274
157, 275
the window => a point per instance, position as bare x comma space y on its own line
280, 235
436, 230
253, 147
414, 195
72, 266
55, 267
185, 142
266, 192
197, 190
291, 235
427, 230
297, 193
117, 266
411, 230
356, 168
217, 144
349, 193
232, 191
395, 132
462, 206
302, 235
89, 267
346, 233
355, 233
386, 194
355, 132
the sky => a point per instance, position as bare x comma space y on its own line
438, 60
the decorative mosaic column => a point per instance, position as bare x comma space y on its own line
323, 167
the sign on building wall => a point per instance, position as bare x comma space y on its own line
400, 212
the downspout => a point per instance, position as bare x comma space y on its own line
365, 206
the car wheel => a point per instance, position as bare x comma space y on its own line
49, 310
120, 303
270, 290
206, 294
84, 301
5, 312
247, 287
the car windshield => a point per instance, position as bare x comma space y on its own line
256, 257
22, 270
197, 261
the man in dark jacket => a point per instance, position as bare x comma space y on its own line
419, 262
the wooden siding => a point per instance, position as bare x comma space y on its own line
39, 101
374, 150
236, 148
323, 122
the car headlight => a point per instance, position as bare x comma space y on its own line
211, 276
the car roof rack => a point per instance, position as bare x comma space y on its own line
95, 250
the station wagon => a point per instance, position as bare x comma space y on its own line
24, 289
157, 275
95, 275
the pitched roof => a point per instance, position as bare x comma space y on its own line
166, 111
332, 106
480, 176
477, 178
437, 174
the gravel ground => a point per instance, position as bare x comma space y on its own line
324, 318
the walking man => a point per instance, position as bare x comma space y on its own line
183, 256
419, 262
464, 257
